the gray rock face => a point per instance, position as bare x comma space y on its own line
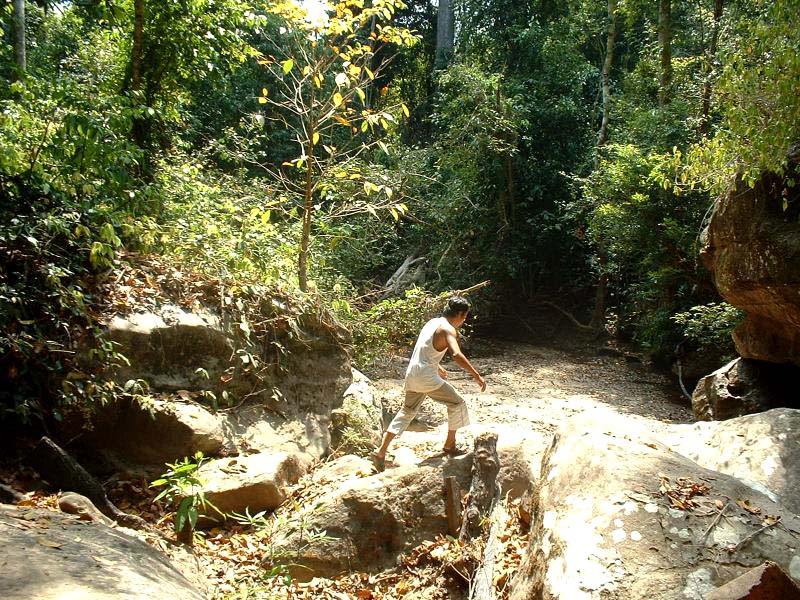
285, 408
763, 450
745, 386
753, 250
53, 556
166, 349
370, 520
603, 528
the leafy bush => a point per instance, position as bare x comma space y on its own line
710, 324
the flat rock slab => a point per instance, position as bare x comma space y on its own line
763, 450
51, 556
618, 516
369, 521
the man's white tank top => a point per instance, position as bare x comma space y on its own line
422, 374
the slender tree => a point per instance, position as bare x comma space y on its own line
611, 38
665, 42
598, 315
321, 99
19, 35
710, 55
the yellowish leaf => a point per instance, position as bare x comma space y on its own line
370, 74
264, 92
337, 99
361, 95
262, 100
315, 138
405, 110
288, 65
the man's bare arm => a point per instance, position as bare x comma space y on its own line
461, 360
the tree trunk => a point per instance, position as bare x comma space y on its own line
445, 34
483, 489
136, 50
308, 211
665, 41
62, 471
712, 51
611, 38
19, 36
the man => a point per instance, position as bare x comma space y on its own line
425, 377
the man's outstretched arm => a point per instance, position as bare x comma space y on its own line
462, 361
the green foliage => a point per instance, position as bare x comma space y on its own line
759, 102
288, 522
183, 489
710, 324
649, 239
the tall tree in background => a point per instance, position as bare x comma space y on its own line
445, 33
605, 74
665, 43
598, 314
708, 69
19, 36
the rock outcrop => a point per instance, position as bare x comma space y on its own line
177, 357
743, 387
762, 450
157, 432
251, 483
368, 521
752, 247
53, 556
618, 516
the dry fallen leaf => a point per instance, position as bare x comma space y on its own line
746, 505
48, 543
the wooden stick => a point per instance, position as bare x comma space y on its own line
752, 535
452, 505
713, 523
483, 489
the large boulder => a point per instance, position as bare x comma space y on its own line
752, 247
618, 516
53, 556
251, 483
157, 432
368, 521
169, 348
743, 387
763, 450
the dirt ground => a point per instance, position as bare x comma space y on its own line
536, 387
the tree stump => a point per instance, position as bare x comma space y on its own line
483, 490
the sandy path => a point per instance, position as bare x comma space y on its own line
536, 388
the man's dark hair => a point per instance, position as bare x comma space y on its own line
455, 305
